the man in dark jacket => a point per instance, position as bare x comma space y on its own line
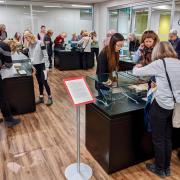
5, 62
175, 41
48, 42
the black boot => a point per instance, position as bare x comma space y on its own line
178, 154
49, 102
168, 172
10, 121
153, 169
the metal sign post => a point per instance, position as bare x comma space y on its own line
78, 171
80, 94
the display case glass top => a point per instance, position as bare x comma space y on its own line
118, 94
21, 67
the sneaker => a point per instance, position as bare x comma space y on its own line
168, 172
49, 102
153, 169
10, 122
40, 100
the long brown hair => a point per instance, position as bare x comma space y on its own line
112, 56
147, 52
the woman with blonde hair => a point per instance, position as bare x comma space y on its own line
3, 33
85, 43
164, 58
12, 44
39, 59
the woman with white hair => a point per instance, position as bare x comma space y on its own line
175, 41
133, 42
3, 33
39, 60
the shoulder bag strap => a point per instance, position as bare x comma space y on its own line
169, 82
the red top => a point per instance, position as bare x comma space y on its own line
59, 40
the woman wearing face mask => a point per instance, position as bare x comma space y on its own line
148, 41
39, 59
108, 61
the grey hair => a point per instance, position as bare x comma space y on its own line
173, 31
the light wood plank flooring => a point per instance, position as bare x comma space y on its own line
44, 144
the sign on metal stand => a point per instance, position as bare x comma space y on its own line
80, 94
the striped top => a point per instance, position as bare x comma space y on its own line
163, 95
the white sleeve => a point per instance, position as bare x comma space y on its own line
148, 70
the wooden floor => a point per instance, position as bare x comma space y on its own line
44, 144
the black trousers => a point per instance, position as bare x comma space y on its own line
50, 60
96, 52
41, 79
161, 124
86, 59
4, 105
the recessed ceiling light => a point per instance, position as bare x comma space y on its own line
52, 6
163, 7
2, 1
81, 6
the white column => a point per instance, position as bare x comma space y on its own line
32, 20
149, 17
172, 13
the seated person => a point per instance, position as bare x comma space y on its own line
74, 37
133, 42
59, 41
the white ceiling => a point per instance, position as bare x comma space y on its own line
59, 1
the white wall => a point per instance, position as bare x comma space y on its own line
123, 23
67, 20
15, 19
61, 20
155, 18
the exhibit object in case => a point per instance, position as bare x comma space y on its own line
79, 93
108, 88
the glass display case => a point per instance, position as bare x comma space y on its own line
21, 67
122, 86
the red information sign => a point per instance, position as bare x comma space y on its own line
78, 90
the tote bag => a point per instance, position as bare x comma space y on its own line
176, 112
